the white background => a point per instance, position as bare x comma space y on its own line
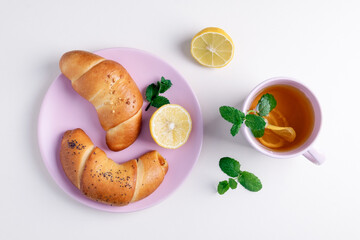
317, 42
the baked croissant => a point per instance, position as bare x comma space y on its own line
112, 91
103, 180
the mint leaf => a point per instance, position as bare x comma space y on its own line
230, 166
264, 107
151, 92
232, 183
223, 187
254, 122
258, 133
232, 114
235, 129
159, 101
266, 104
164, 85
250, 181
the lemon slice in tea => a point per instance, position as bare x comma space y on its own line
271, 140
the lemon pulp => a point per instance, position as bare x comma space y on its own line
270, 139
170, 126
212, 47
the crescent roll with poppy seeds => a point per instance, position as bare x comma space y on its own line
101, 179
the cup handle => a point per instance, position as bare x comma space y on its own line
314, 156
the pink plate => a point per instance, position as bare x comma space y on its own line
63, 109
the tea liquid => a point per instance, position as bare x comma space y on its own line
293, 109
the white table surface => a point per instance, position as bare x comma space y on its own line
316, 42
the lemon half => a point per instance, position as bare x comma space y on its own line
170, 126
212, 47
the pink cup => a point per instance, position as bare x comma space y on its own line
306, 149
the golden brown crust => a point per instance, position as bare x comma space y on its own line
76, 147
112, 91
152, 170
103, 180
108, 86
73, 64
119, 137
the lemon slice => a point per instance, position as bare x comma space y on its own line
277, 123
276, 118
287, 133
212, 47
271, 140
170, 126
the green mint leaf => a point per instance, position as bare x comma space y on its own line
223, 187
151, 92
232, 115
230, 166
164, 85
266, 104
232, 183
254, 122
235, 129
258, 133
159, 101
263, 107
250, 181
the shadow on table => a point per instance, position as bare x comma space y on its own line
185, 47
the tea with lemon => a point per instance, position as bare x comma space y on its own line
294, 110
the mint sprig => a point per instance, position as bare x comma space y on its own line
153, 91
253, 119
231, 167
